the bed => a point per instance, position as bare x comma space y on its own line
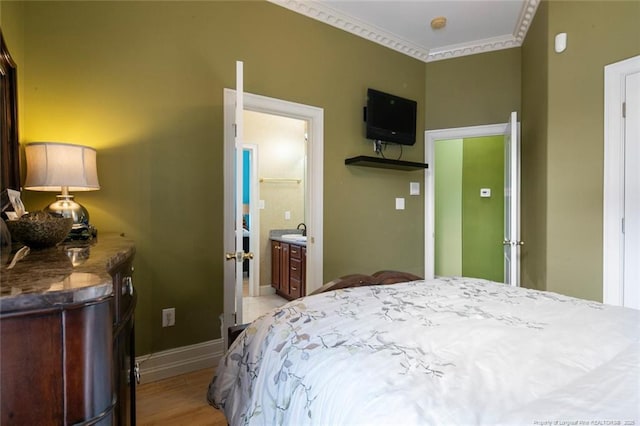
448, 351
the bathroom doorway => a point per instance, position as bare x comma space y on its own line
235, 103
274, 198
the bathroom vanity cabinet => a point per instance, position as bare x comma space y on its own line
288, 268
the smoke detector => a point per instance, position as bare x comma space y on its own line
438, 23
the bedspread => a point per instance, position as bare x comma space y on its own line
445, 351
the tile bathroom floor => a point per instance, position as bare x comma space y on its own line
254, 307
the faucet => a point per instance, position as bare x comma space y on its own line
304, 230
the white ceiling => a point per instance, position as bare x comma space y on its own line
473, 26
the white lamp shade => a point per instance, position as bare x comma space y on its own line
53, 165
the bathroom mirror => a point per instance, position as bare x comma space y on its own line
10, 154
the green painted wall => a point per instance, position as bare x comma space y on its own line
142, 82
483, 218
448, 207
472, 90
534, 152
567, 165
600, 33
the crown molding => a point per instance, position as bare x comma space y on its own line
478, 46
328, 15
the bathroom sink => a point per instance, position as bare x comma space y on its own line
294, 237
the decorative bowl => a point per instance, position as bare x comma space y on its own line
40, 229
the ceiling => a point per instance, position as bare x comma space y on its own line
473, 26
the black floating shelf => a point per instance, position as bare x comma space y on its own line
384, 163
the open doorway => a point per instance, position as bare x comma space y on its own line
274, 198
511, 242
469, 207
236, 102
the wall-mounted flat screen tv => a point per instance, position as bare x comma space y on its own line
390, 118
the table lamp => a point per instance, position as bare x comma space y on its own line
55, 166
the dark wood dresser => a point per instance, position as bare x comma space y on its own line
67, 335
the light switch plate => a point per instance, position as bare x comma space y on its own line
485, 192
399, 203
414, 188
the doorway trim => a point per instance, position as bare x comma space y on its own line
430, 137
613, 175
314, 177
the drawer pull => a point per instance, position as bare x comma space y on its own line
294, 288
293, 268
127, 286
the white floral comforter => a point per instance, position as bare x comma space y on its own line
450, 351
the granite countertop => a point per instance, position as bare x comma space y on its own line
276, 235
69, 273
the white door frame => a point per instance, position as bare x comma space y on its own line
430, 137
314, 179
613, 186
512, 241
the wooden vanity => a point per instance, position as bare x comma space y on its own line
67, 333
288, 268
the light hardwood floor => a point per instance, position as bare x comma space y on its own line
181, 400
176, 401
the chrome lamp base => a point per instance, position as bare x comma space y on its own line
67, 207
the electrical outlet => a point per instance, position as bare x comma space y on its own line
169, 317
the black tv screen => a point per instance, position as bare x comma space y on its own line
390, 118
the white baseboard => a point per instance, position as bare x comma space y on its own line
173, 362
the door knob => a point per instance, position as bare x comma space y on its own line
239, 256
